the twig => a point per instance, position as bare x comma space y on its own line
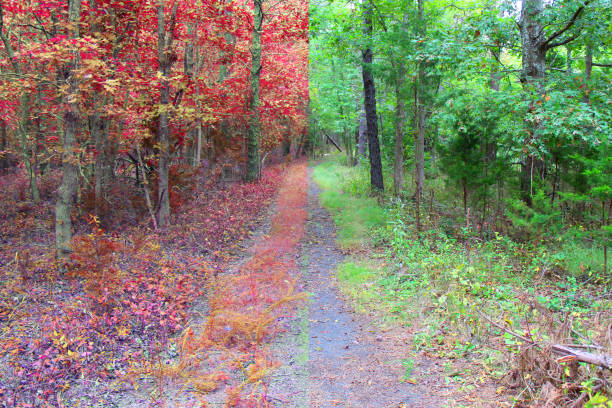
145, 187
583, 396
584, 346
602, 360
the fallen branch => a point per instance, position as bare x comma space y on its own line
333, 141
601, 360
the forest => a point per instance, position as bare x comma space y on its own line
482, 129
260, 203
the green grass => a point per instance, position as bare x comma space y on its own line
580, 260
355, 273
355, 216
359, 282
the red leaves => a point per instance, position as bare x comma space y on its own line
247, 306
118, 53
129, 291
218, 216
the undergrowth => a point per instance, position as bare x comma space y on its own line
73, 335
465, 297
355, 216
229, 350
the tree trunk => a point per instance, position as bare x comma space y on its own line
96, 126
110, 152
465, 196
198, 150
3, 146
376, 178
494, 76
39, 139
350, 158
588, 62
419, 147
362, 137
145, 187
252, 172
68, 187
588, 70
164, 44
398, 161
490, 152
532, 44
533, 77
25, 152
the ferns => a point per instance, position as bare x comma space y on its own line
245, 308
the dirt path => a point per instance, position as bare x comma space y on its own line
330, 356
333, 357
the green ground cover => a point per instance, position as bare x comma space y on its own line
446, 282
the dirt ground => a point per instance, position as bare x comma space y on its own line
335, 357
332, 356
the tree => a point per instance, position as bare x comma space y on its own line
419, 121
466, 155
253, 164
535, 45
165, 58
68, 188
369, 91
23, 113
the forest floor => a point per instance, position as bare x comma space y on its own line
216, 314
323, 353
334, 356
343, 360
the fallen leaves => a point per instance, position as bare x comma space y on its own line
125, 296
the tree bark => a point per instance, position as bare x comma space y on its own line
68, 187
533, 76
419, 148
532, 44
25, 152
145, 187
97, 129
252, 172
369, 89
164, 44
398, 160
588, 62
